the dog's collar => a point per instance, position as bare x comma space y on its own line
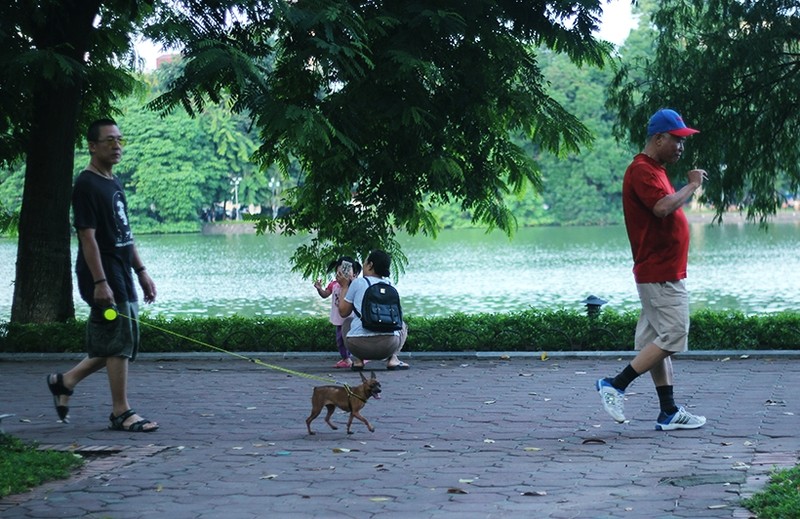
350, 393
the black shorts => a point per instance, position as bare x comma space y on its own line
115, 338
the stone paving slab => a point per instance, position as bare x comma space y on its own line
466, 438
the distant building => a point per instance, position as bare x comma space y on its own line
167, 58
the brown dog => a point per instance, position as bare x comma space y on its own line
351, 399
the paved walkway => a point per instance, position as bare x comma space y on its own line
455, 437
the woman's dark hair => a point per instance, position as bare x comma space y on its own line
381, 263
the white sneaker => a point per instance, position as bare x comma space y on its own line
681, 419
612, 399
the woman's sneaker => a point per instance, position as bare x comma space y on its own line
613, 399
681, 419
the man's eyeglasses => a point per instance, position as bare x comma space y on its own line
111, 140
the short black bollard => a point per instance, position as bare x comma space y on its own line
593, 305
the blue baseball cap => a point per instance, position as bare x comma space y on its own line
669, 121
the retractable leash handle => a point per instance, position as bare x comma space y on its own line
110, 313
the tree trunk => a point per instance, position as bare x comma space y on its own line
43, 285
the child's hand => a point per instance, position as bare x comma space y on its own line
318, 284
342, 278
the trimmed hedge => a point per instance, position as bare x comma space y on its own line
530, 330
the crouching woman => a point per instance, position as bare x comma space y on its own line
367, 344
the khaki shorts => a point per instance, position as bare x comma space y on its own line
664, 320
117, 338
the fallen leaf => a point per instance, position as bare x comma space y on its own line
629, 509
487, 440
580, 372
237, 448
526, 374
740, 466
269, 476
456, 491
598, 441
490, 401
379, 499
159, 488
428, 446
726, 444
504, 357
251, 408
536, 493
716, 507
544, 355
726, 359
787, 413
466, 480
340, 449
744, 357
531, 449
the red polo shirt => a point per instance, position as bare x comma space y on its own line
660, 246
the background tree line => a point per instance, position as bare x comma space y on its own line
176, 168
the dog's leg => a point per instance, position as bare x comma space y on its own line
356, 414
331, 409
314, 413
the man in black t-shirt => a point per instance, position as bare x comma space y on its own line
106, 256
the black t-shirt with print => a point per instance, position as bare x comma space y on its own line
99, 203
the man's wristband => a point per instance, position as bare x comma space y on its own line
100, 281
139, 270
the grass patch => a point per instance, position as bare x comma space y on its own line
780, 499
23, 466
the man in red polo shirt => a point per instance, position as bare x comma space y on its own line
659, 237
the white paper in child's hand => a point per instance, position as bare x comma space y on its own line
346, 269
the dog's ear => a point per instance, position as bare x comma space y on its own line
373, 375
363, 377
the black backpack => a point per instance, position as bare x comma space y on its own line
380, 308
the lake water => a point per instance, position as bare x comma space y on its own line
733, 266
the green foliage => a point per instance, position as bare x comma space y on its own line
530, 330
781, 497
737, 331
392, 109
584, 188
730, 68
23, 466
9, 221
67, 337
